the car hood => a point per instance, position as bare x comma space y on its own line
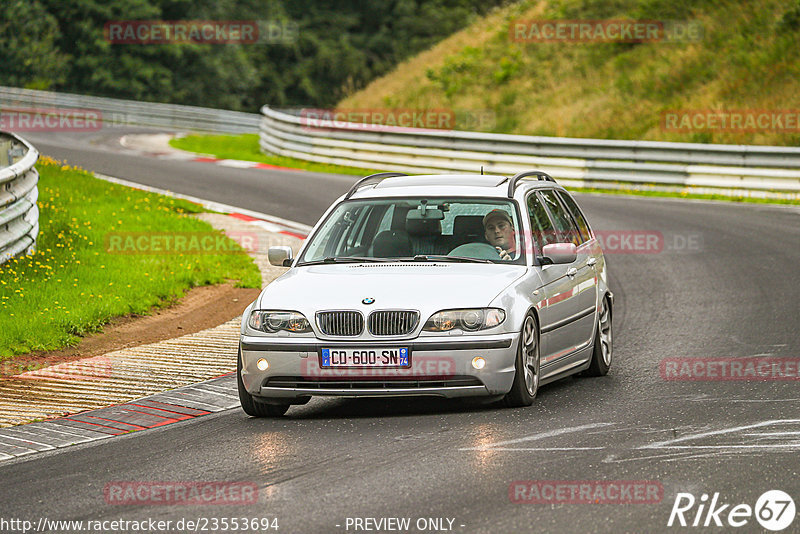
420, 286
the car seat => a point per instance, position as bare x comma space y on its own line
426, 237
391, 244
467, 229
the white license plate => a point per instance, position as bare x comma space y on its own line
366, 357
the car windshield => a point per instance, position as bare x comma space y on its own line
418, 229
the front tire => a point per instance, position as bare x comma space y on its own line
603, 342
527, 366
249, 404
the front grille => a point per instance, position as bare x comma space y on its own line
392, 322
297, 382
340, 323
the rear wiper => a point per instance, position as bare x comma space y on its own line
456, 259
342, 259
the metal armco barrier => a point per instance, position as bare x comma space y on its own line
759, 171
111, 111
19, 215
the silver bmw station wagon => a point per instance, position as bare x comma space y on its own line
443, 285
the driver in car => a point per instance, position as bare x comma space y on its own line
499, 232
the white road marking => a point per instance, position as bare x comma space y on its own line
178, 400
757, 400
236, 163
670, 444
538, 449
736, 447
46, 446
675, 455
535, 437
678, 458
760, 434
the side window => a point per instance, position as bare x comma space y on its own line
347, 230
577, 215
356, 239
565, 226
541, 227
386, 221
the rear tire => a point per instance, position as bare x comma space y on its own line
527, 366
603, 342
249, 404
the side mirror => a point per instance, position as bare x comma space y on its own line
281, 256
560, 253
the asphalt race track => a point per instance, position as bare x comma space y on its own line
724, 283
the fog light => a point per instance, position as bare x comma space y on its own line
263, 364
478, 363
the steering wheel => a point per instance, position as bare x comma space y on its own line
481, 251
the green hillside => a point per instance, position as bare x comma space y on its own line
747, 58
318, 52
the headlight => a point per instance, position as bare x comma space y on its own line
470, 320
273, 321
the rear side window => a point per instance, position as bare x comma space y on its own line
577, 215
386, 221
541, 226
565, 227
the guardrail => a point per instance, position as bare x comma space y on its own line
112, 111
19, 214
736, 170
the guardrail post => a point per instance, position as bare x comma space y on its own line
5, 156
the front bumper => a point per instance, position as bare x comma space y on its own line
440, 366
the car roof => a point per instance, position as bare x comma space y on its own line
451, 185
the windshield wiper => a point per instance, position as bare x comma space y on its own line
455, 259
342, 259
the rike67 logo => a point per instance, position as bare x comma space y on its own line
774, 510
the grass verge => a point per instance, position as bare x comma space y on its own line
245, 147
78, 279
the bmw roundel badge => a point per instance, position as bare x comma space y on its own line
368, 300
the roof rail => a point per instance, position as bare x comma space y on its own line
372, 177
512, 182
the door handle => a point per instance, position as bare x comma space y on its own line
572, 272
591, 261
